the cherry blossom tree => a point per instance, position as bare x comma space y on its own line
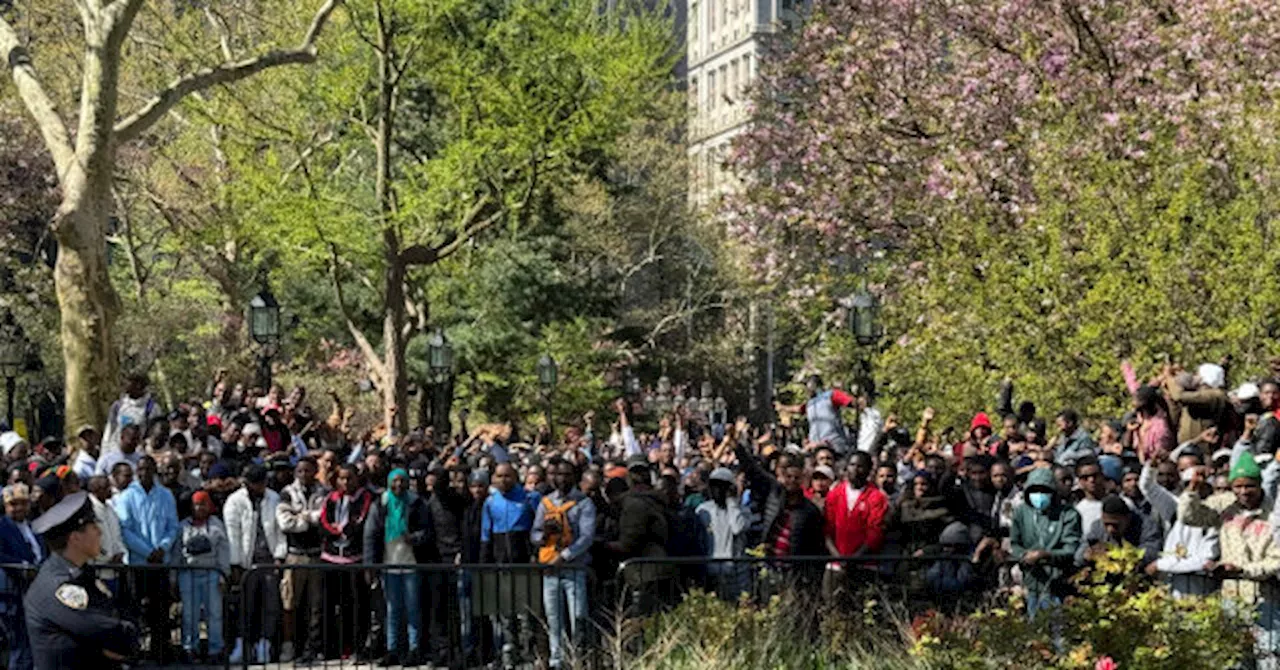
1010, 154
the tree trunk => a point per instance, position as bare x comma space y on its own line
88, 304
395, 391
395, 388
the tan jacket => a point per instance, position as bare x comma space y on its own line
1246, 539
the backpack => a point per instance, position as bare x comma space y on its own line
553, 543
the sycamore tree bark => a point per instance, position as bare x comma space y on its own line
85, 165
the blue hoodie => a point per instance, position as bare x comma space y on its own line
505, 521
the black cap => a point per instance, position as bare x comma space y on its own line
255, 474
70, 514
1114, 504
49, 485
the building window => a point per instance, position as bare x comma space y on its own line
732, 91
711, 16
711, 90
693, 23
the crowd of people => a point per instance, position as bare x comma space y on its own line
245, 478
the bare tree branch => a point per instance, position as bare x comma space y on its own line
419, 254
226, 73
376, 365
36, 99
317, 143
224, 33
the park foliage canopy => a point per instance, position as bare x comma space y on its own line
1048, 187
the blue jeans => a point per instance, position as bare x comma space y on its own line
558, 587
401, 590
199, 590
1037, 602
729, 580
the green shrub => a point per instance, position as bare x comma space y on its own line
1118, 614
706, 633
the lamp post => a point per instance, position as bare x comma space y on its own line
864, 319
13, 351
548, 375
264, 328
662, 402
632, 386
705, 402
864, 322
440, 365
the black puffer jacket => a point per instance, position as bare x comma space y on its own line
472, 547
643, 526
448, 510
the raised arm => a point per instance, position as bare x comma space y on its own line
680, 440
631, 446
1162, 501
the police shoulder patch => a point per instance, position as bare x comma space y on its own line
73, 596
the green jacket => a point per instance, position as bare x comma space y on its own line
1055, 530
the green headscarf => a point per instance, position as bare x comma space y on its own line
397, 508
1245, 467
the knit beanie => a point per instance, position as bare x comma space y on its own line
1245, 467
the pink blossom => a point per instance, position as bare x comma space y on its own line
889, 117
1105, 663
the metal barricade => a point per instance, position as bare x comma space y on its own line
468, 616
162, 599
456, 616
940, 582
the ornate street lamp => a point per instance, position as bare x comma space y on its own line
864, 319
13, 354
633, 385
705, 401
440, 367
720, 411
264, 329
439, 355
548, 376
662, 401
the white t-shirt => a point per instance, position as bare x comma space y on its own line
851, 496
1090, 513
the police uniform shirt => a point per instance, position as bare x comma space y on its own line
71, 620
70, 617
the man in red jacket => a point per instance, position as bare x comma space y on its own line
855, 510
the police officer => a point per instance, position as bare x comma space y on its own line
70, 618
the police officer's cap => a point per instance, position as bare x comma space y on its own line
70, 514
